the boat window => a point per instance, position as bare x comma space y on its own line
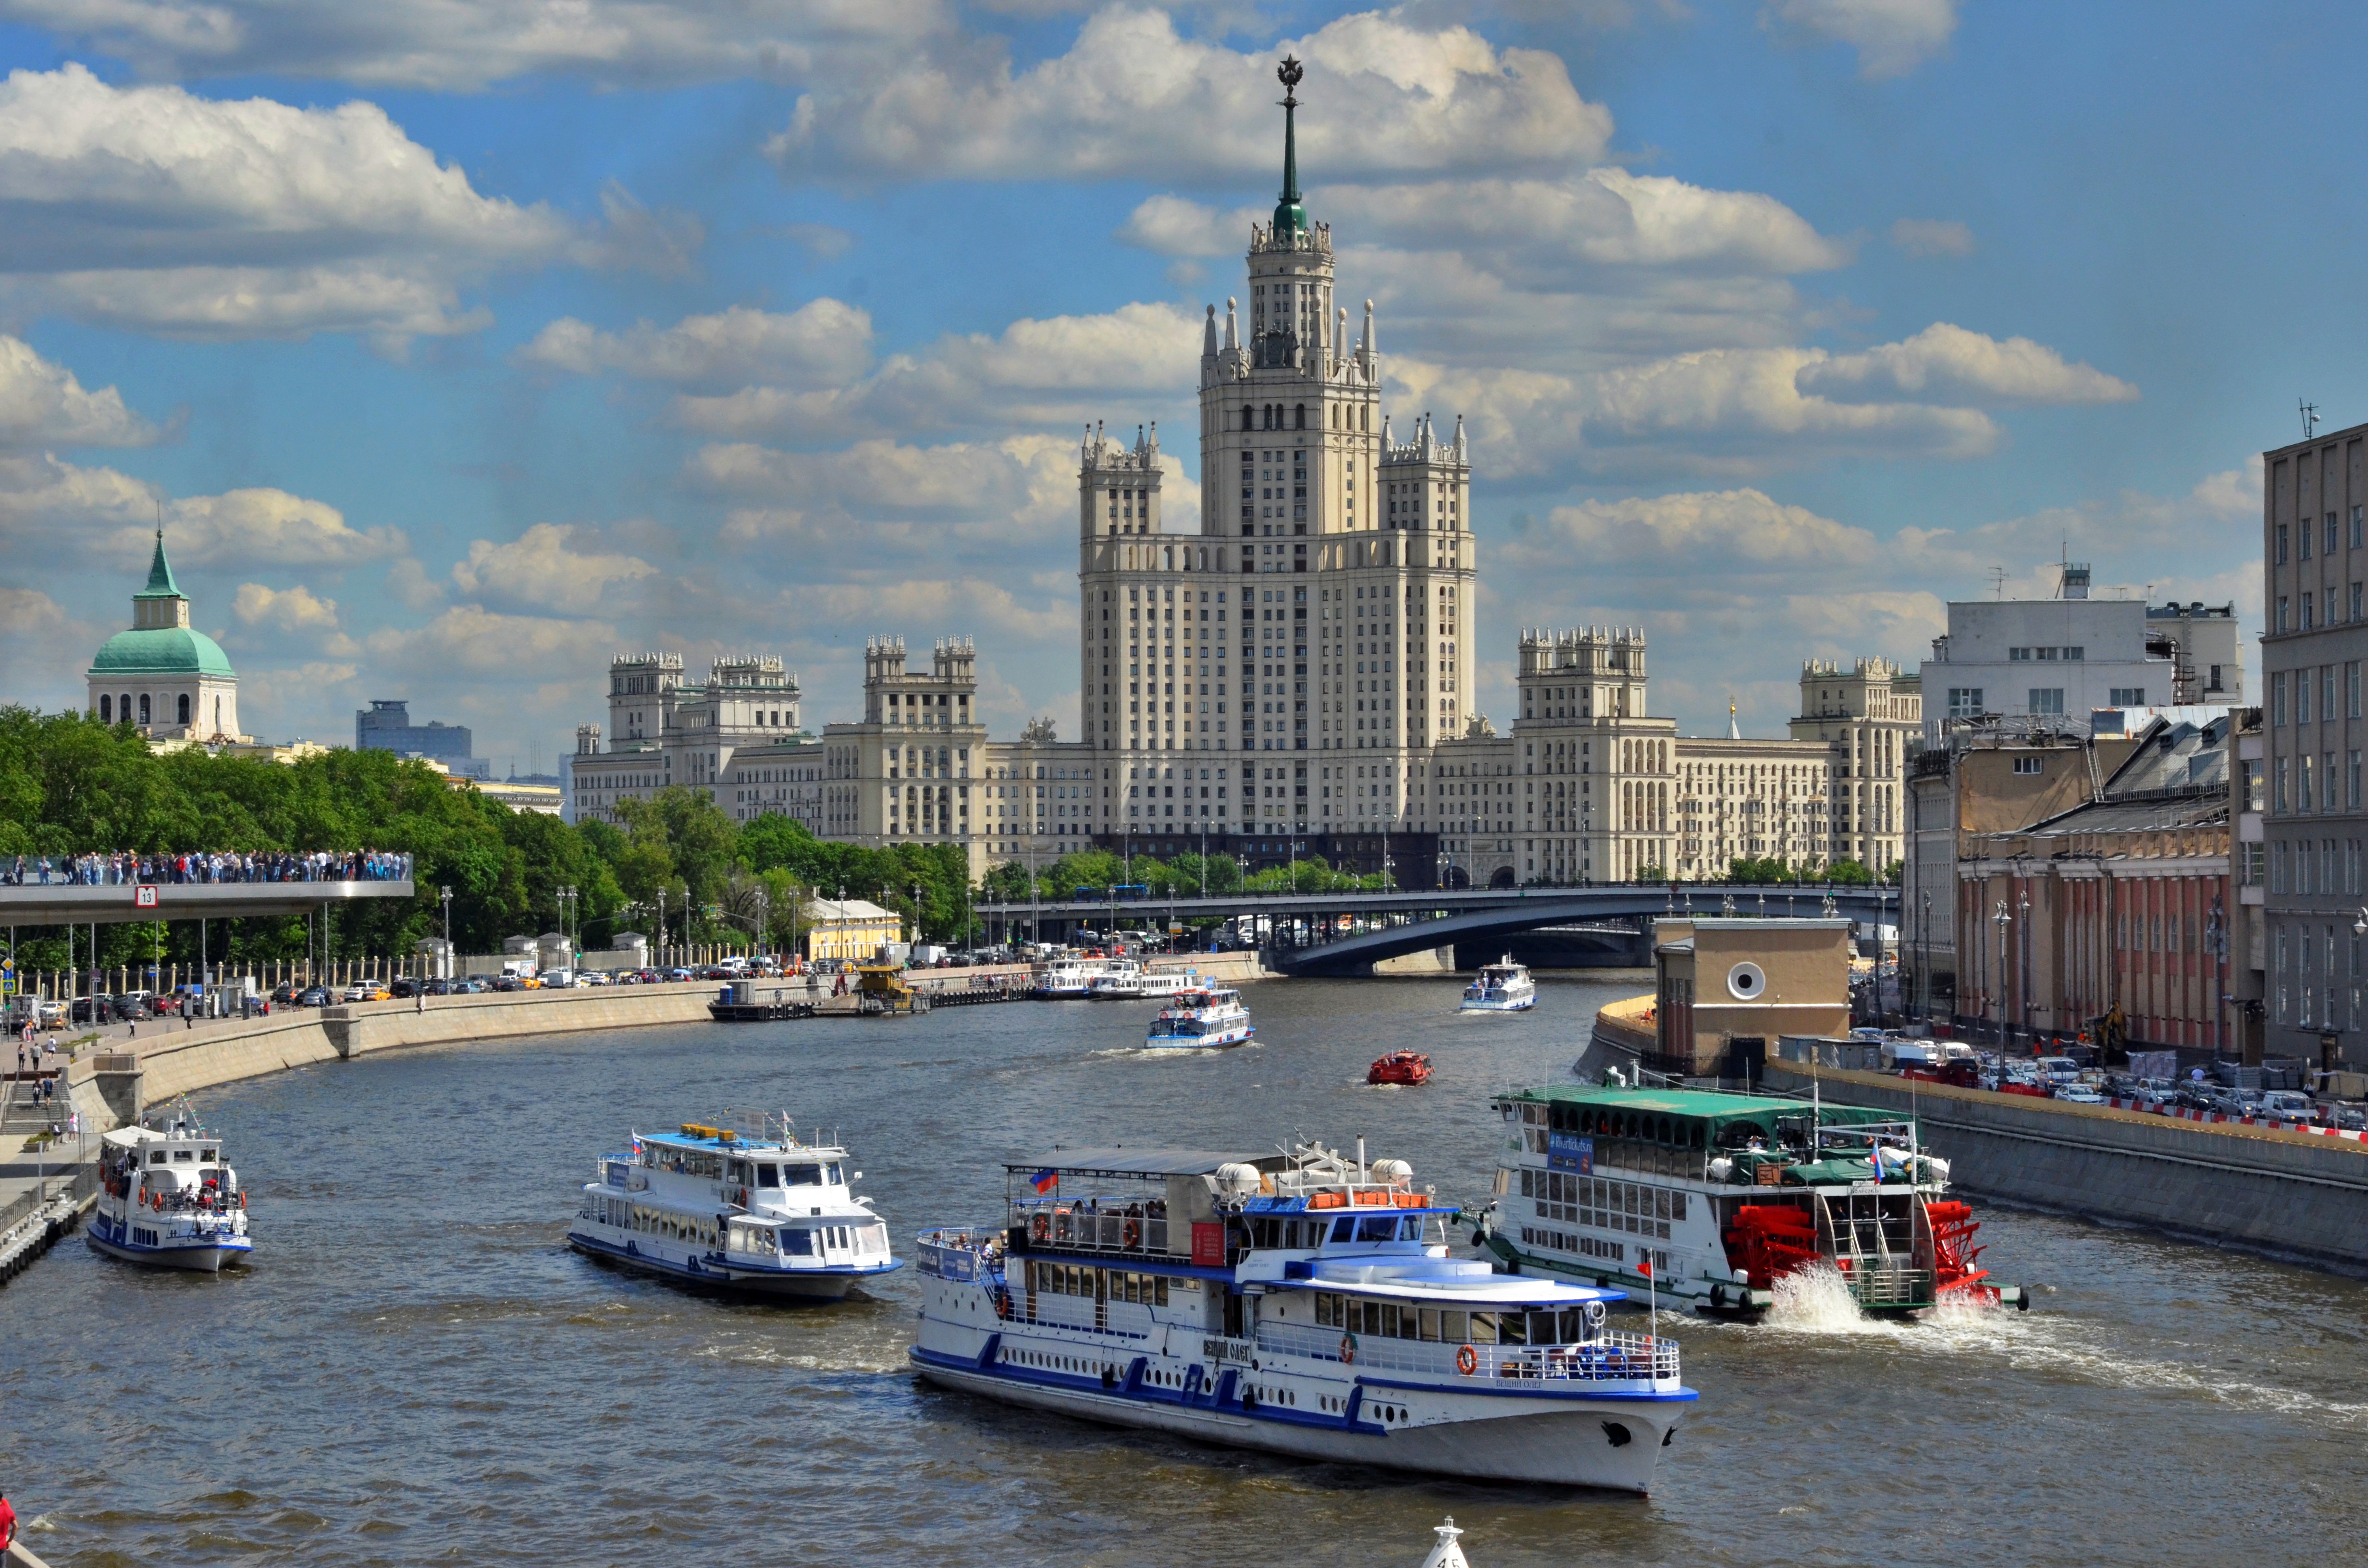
1512, 1328
836, 1177
1378, 1228
1343, 1229
1410, 1227
1542, 1329
797, 1242
1573, 1326
158, 1158
801, 1175
1484, 1328
207, 1156
185, 1155
769, 1176
1454, 1327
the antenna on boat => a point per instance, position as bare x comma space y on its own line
1361, 1176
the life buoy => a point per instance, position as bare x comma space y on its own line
241, 1201
1348, 1349
743, 1197
1041, 1227
1003, 1303
1467, 1360
1133, 1234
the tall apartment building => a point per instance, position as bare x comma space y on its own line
1309, 643
1870, 716
385, 725
2314, 561
2059, 660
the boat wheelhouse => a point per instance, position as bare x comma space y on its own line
169, 1200
1500, 987
762, 1214
1207, 1018
1302, 1304
1724, 1194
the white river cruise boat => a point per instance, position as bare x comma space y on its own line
1725, 1193
1068, 978
169, 1200
1304, 1304
1501, 987
1134, 983
1207, 1018
761, 1215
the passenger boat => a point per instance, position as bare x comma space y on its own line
1135, 984
1302, 1304
1069, 977
765, 1215
1724, 1194
1501, 987
1203, 1018
169, 1200
1407, 1067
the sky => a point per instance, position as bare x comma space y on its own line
459, 346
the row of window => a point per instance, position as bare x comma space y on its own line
1388, 1320
2322, 682
2071, 654
1604, 1204
2291, 618
2300, 533
2312, 866
2315, 786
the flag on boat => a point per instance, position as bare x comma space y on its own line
1874, 1158
1644, 1266
1045, 1180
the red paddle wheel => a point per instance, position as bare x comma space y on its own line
1953, 1252
1771, 1239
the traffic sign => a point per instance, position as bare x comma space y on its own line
144, 898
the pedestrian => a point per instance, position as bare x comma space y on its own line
8, 1524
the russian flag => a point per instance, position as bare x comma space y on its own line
1045, 1180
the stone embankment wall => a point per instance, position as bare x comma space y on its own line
2289, 1193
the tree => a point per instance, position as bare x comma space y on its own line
1849, 873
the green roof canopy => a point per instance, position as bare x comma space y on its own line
1714, 1109
162, 650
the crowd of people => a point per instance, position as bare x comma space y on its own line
125, 868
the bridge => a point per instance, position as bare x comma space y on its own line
1392, 924
71, 904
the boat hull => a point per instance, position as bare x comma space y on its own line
1560, 1443
1219, 1040
1513, 1004
825, 1284
197, 1257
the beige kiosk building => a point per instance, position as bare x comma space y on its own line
1727, 988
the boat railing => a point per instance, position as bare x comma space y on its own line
1082, 1230
957, 1253
1612, 1358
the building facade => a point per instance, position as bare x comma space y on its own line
1871, 717
385, 725
2059, 659
719, 735
850, 929
163, 677
2314, 826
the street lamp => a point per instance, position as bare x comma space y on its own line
447, 896
2023, 967
2001, 919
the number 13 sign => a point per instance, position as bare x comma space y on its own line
144, 898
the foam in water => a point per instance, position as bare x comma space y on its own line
1816, 1300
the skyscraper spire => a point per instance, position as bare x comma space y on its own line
1290, 215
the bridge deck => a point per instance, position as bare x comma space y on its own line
64, 903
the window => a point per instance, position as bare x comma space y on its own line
2278, 697
2302, 697
2018, 653
2279, 802
2129, 697
2281, 624
2026, 765
2355, 528
2352, 783
2076, 655
2302, 791
2046, 699
2333, 524
2351, 689
2282, 543
1964, 701
2301, 538
2304, 623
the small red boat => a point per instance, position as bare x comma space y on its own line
1400, 1067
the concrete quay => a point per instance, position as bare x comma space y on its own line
2267, 1189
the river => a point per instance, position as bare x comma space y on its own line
416, 1369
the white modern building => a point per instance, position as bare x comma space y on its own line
2066, 657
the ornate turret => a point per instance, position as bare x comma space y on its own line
1290, 215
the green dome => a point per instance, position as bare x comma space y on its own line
162, 650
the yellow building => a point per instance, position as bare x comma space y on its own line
849, 928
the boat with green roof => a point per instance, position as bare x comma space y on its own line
1712, 1196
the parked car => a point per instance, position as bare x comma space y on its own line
314, 996
403, 985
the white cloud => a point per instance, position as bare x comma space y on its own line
1169, 225
823, 343
1892, 37
285, 610
151, 208
41, 404
1950, 364
2234, 494
102, 515
1932, 237
540, 570
474, 641
1131, 96
458, 45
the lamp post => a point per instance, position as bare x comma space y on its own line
662, 934
2001, 919
1924, 954
446, 898
2022, 965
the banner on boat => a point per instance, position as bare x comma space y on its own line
1569, 1151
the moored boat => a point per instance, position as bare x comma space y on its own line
1130, 981
1205, 1019
1302, 1304
169, 1200
763, 1215
1069, 977
1500, 987
1724, 1194
1408, 1067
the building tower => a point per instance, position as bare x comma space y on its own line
1871, 714
1304, 616
163, 676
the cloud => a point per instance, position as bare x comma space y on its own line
471, 641
45, 649
150, 208
823, 343
104, 514
1932, 237
2234, 494
664, 243
285, 610
1892, 37
445, 46
1746, 530
538, 569
1950, 364
1132, 97
1169, 225
43, 405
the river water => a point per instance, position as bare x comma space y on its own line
416, 1370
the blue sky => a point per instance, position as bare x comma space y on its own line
460, 347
